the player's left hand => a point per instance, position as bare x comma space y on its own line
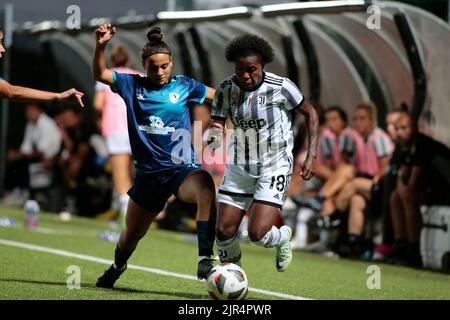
72, 95
308, 168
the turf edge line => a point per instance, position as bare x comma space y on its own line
131, 266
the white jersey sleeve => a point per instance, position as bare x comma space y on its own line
221, 102
292, 94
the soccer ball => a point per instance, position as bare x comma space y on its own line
227, 281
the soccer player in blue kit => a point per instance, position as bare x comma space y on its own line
160, 137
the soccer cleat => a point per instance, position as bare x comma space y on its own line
313, 203
284, 252
109, 277
204, 267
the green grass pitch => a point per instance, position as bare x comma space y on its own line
29, 274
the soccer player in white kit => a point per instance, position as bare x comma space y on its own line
259, 154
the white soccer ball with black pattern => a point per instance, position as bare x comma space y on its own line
227, 281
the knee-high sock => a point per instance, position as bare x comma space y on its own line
229, 250
275, 237
206, 235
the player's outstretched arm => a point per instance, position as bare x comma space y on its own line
18, 93
312, 125
103, 34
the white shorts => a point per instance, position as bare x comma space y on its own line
118, 143
239, 189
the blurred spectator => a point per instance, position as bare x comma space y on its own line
336, 145
374, 152
423, 179
350, 186
427, 123
380, 204
34, 163
115, 130
77, 159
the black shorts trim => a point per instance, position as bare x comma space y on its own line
235, 194
272, 204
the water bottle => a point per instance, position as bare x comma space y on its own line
31, 214
7, 222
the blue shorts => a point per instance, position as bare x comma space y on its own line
152, 191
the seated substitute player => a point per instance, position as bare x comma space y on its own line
259, 104
18, 93
158, 124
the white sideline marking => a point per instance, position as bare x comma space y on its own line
53, 231
130, 266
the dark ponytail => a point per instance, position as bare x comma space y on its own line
155, 44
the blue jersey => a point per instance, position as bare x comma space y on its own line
159, 124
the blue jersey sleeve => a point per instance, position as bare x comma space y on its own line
197, 91
123, 83
1, 78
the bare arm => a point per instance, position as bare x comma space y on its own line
416, 180
383, 162
103, 34
411, 176
99, 99
312, 130
19, 93
210, 94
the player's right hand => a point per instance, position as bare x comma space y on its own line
72, 95
104, 33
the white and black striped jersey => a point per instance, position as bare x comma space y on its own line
262, 120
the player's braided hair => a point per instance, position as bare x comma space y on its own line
155, 44
249, 45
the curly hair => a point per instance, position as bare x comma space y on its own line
248, 45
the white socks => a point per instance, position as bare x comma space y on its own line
229, 250
275, 237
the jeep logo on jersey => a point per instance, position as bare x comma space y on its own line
174, 97
256, 124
